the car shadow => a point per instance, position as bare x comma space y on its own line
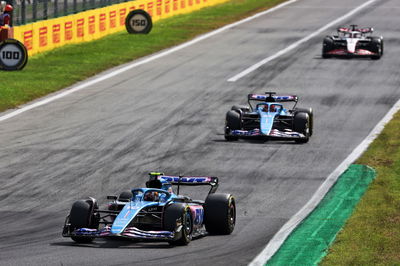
319, 57
115, 244
257, 142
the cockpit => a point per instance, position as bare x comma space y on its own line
150, 195
269, 107
353, 34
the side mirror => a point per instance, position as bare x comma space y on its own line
112, 197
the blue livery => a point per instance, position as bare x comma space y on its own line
269, 119
153, 213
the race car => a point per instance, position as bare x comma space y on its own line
269, 119
353, 41
154, 213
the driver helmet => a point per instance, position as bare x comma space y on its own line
273, 107
8, 8
156, 197
151, 196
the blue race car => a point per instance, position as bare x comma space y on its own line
154, 213
269, 119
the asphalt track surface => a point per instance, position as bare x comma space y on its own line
168, 115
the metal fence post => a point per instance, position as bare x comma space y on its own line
65, 7
34, 10
45, 6
55, 8
23, 12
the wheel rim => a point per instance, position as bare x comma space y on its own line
187, 223
231, 216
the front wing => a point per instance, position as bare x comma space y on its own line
274, 133
129, 232
345, 52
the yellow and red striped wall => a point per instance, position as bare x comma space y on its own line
93, 24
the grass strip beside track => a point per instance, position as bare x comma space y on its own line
372, 235
309, 241
54, 70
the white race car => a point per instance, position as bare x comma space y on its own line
353, 41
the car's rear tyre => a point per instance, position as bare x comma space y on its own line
220, 214
179, 214
232, 122
310, 113
125, 196
301, 123
243, 108
327, 45
82, 216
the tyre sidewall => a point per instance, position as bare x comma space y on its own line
82, 216
310, 113
220, 214
232, 120
174, 213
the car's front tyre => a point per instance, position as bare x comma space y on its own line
232, 122
327, 45
376, 47
220, 214
310, 113
176, 215
301, 122
82, 215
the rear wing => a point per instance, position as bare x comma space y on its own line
159, 178
272, 98
355, 28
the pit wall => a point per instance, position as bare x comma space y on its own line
94, 24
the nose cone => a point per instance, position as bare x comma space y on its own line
351, 45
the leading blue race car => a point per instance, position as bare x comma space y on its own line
269, 119
154, 213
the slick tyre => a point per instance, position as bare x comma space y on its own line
82, 216
242, 108
176, 215
301, 124
327, 45
125, 196
232, 122
376, 47
310, 113
220, 214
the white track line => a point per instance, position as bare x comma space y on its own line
278, 239
296, 44
137, 63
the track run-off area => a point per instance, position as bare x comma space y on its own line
167, 114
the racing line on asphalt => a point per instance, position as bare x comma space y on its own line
149, 59
275, 243
296, 44
281, 235
278, 239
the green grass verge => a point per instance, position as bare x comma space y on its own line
62, 67
308, 242
372, 235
